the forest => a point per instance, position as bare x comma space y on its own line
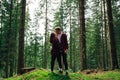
92, 27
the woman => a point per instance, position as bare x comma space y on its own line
55, 52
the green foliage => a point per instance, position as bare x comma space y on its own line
116, 21
68, 8
42, 74
9, 35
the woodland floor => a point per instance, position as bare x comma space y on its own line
42, 74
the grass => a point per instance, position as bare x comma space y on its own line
42, 74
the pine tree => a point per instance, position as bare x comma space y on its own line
45, 44
82, 34
21, 38
113, 53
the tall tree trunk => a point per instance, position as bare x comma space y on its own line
70, 39
61, 15
42, 47
74, 55
45, 44
6, 67
21, 38
103, 46
26, 51
6, 57
82, 34
9, 43
1, 11
9, 50
113, 53
35, 52
16, 34
105, 40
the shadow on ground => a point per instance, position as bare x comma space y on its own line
55, 76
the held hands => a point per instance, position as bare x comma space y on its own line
66, 51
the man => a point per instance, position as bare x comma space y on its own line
59, 49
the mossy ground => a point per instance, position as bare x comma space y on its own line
42, 74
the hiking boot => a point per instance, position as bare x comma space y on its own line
66, 73
60, 71
52, 72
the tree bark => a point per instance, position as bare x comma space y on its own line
113, 53
61, 15
8, 56
35, 52
82, 34
45, 44
16, 35
21, 38
10, 45
70, 39
1, 26
103, 46
105, 40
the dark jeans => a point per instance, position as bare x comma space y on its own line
59, 56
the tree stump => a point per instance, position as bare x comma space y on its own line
27, 69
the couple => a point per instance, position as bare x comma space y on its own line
59, 42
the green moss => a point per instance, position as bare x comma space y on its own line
42, 74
